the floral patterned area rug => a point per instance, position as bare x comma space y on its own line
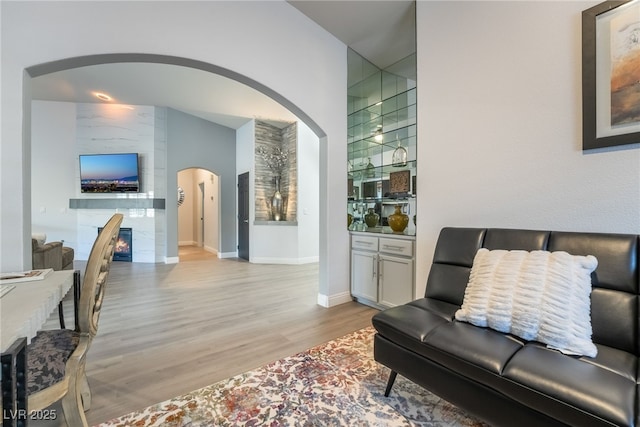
334, 384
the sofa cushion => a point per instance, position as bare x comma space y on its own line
441, 308
67, 258
538, 295
614, 299
477, 353
407, 325
551, 382
48, 255
508, 239
452, 262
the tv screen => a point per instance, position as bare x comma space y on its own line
109, 173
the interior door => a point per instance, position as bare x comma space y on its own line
243, 216
201, 216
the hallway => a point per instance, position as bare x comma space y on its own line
190, 253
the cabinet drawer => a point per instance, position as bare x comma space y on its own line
396, 247
364, 242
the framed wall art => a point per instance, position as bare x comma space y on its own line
611, 74
399, 182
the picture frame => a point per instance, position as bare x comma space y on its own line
610, 74
369, 189
399, 182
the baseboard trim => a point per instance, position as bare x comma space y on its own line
335, 299
211, 250
171, 260
290, 261
227, 255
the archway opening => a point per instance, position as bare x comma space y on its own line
171, 196
198, 202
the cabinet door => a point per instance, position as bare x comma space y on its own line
396, 280
364, 275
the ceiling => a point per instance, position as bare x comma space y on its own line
383, 32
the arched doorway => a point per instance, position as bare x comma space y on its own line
228, 226
171, 198
198, 211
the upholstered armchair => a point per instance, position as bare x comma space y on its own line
51, 255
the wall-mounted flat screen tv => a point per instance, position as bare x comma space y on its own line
109, 173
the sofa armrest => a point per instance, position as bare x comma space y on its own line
48, 255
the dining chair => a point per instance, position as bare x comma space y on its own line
56, 358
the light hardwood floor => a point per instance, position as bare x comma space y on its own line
166, 330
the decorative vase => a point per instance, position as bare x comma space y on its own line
277, 203
371, 218
398, 221
370, 170
399, 157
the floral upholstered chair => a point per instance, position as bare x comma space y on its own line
56, 358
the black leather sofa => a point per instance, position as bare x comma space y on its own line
506, 380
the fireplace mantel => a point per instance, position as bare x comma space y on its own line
116, 203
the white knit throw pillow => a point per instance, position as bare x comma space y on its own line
39, 237
539, 296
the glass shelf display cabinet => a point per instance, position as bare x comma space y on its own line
381, 151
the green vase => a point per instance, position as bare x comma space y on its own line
371, 218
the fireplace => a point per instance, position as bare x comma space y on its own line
123, 250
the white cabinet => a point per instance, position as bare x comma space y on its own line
382, 269
364, 282
395, 278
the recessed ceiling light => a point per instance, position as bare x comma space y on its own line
102, 96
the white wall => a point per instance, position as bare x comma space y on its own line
308, 194
307, 72
499, 126
285, 244
53, 171
185, 211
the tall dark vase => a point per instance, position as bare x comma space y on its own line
371, 219
277, 203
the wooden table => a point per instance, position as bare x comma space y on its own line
23, 311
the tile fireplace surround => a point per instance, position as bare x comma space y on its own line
148, 225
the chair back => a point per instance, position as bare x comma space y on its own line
95, 276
